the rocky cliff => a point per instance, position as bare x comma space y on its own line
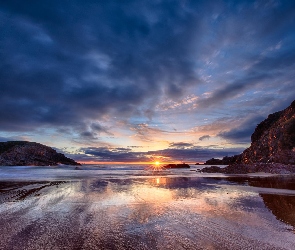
273, 139
272, 148
23, 153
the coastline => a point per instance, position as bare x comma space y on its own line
272, 168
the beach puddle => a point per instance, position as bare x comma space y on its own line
153, 212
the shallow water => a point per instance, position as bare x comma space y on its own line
126, 208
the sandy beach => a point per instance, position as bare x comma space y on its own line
168, 210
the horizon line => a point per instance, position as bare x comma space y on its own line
136, 163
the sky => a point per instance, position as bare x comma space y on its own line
144, 81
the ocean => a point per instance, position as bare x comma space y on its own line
64, 172
135, 207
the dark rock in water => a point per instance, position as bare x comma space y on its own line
273, 168
182, 165
212, 169
23, 153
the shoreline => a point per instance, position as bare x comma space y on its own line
271, 168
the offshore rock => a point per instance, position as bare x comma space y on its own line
23, 153
182, 165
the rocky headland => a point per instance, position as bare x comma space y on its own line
23, 153
272, 148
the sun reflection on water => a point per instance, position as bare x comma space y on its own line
110, 209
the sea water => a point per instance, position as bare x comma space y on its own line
91, 170
135, 207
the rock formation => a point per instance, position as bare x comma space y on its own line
224, 161
272, 141
273, 168
182, 165
23, 153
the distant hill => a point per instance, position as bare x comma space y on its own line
273, 141
23, 153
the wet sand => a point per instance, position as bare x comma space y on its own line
152, 212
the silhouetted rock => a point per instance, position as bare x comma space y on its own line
213, 161
224, 161
273, 139
182, 165
272, 146
23, 153
212, 169
273, 168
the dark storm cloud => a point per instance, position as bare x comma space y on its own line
112, 155
12, 138
264, 69
204, 137
63, 62
238, 135
171, 154
180, 145
197, 153
231, 90
92, 131
242, 134
261, 38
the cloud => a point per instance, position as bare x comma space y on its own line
147, 133
229, 91
204, 137
181, 145
242, 133
63, 67
173, 154
113, 155
93, 131
214, 127
82, 66
13, 138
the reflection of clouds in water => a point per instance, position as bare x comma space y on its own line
147, 212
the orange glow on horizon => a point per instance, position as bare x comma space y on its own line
133, 163
124, 162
